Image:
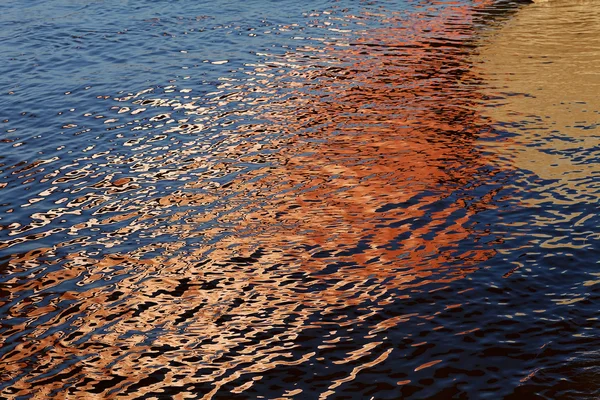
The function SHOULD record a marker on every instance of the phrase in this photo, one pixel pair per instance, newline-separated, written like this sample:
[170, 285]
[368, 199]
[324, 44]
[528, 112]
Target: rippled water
[299, 200]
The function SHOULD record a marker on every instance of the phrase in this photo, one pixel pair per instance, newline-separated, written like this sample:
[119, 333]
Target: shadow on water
[334, 218]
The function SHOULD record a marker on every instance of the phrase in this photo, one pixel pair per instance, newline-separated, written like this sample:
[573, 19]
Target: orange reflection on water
[390, 148]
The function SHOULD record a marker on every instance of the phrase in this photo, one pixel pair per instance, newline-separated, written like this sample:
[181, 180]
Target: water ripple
[358, 203]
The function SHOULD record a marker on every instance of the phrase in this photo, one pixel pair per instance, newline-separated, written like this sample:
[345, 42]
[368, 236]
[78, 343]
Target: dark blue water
[299, 200]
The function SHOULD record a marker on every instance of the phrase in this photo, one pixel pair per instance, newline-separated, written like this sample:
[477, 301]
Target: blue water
[287, 199]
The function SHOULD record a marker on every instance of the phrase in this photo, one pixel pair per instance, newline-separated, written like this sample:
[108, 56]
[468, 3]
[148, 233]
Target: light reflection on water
[330, 218]
[541, 67]
[542, 84]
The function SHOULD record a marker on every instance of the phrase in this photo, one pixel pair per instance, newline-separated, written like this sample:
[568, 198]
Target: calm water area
[310, 200]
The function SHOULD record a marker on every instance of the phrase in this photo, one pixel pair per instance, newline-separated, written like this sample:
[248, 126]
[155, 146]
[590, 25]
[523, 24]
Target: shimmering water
[299, 199]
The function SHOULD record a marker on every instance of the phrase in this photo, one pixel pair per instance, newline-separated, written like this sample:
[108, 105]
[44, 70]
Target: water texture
[341, 200]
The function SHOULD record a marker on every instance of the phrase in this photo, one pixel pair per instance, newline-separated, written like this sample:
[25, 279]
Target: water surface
[284, 200]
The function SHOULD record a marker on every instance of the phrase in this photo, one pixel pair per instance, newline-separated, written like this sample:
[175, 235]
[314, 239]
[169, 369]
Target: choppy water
[299, 199]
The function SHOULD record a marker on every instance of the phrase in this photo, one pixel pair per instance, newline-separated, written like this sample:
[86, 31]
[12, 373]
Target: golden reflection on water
[355, 194]
[542, 72]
